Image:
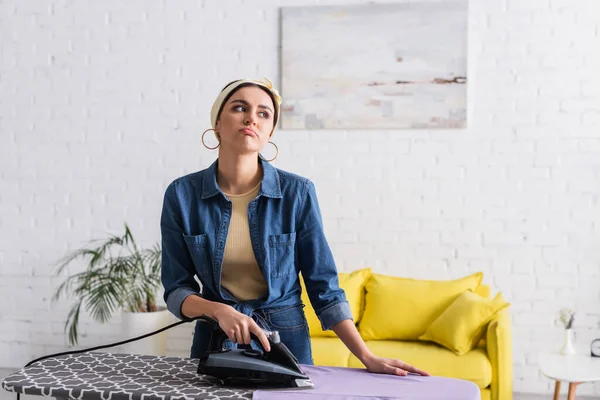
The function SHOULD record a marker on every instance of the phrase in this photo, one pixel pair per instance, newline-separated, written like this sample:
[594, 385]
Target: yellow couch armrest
[499, 349]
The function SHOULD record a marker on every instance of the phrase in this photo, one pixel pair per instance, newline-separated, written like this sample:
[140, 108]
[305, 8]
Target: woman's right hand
[238, 326]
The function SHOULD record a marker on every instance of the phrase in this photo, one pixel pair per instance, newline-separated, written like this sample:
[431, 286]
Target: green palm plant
[118, 275]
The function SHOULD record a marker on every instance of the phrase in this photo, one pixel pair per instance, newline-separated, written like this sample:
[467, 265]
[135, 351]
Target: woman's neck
[238, 174]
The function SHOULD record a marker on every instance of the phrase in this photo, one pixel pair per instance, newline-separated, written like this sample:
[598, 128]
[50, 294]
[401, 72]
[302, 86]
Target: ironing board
[107, 376]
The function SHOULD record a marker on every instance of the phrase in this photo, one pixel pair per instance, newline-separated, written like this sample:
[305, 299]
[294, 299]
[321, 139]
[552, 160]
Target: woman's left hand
[380, 365]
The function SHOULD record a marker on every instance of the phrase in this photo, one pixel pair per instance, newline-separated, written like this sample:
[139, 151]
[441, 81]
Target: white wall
[102, 104]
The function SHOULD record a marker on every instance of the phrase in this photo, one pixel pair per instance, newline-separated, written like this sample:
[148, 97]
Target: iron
[249, 367]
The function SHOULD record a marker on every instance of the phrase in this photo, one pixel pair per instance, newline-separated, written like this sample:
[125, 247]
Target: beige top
[240, 272]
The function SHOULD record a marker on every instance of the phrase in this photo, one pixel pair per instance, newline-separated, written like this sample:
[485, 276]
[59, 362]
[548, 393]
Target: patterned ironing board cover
[106, 376]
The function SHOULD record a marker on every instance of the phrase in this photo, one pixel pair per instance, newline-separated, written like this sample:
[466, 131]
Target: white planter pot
[138, 324]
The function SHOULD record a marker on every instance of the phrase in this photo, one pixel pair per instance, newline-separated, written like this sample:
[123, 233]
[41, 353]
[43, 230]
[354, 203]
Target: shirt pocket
[286, 318]
[282, 254]
[198, 248]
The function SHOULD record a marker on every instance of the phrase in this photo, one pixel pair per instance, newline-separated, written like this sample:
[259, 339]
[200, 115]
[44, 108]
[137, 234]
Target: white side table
[575, 369]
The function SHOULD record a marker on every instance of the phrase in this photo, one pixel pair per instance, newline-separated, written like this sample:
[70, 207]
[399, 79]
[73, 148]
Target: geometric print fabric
[106, 376]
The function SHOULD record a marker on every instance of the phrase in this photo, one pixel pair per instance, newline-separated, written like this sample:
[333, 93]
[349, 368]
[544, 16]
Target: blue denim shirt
[286, 233]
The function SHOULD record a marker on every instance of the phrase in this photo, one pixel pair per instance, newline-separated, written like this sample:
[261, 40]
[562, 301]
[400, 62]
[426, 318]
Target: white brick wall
[102, 104]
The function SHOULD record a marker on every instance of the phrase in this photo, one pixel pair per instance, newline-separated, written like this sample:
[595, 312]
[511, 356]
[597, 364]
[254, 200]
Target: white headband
[225, 92]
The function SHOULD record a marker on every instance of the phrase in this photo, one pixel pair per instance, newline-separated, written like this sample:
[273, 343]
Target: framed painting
[375, 66]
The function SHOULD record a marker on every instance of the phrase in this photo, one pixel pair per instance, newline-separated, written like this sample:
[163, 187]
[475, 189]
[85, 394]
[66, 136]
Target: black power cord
[206, 319]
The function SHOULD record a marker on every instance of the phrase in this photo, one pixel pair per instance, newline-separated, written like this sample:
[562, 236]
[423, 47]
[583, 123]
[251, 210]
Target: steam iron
[278, 368]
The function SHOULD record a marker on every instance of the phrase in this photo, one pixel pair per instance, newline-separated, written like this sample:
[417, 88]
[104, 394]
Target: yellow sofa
[392, 315]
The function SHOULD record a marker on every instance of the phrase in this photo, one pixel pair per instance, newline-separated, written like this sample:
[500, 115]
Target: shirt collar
[270, 185]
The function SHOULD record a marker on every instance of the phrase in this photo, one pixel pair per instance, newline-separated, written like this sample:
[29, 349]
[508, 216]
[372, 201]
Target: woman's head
[245, 114]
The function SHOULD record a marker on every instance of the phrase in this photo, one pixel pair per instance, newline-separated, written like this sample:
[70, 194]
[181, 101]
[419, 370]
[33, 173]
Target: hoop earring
[276, 153]
[204, 133]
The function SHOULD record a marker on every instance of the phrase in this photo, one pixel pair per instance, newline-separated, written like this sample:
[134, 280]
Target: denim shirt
[287, 238]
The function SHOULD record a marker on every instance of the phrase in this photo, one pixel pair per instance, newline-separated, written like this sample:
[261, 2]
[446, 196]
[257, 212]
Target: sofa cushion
[353, 284]
[473, 366]
[402, 308]
[483, 290]
[463, 323]
[330, 352]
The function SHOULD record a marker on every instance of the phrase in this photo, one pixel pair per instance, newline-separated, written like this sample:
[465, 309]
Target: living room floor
[4, 395]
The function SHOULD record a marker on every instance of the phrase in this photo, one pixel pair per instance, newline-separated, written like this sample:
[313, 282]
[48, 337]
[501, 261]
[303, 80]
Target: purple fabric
[336, 383]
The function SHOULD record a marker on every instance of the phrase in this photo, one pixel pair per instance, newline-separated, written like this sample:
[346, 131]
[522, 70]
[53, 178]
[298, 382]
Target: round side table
[574, 369]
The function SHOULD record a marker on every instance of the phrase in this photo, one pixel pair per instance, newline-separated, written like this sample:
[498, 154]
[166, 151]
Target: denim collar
[270, 185]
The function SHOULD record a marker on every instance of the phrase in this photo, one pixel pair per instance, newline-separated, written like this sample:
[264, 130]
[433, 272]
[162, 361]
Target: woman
[246, 230]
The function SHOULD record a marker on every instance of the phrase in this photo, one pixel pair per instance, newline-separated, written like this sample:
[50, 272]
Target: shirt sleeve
[177, 271]
[317, 264]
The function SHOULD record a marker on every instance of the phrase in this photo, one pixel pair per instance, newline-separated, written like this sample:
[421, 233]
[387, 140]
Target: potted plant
[118, 276]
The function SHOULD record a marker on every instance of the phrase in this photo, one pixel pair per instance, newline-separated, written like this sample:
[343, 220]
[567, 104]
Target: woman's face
[246, 121]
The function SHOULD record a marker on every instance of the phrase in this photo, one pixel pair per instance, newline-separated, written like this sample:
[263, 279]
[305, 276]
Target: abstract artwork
[384, 66]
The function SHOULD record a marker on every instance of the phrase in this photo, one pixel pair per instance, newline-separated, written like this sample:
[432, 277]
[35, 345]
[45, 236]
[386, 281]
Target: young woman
[246, 230]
